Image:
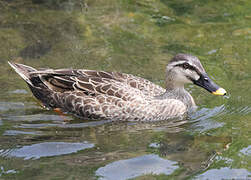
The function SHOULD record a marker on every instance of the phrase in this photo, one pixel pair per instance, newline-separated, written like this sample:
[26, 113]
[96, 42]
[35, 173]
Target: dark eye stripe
[192, 68]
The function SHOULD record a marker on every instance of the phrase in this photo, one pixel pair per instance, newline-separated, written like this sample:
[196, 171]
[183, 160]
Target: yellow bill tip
[220, 92]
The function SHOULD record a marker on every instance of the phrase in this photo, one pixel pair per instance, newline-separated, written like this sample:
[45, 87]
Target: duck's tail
[23, 71]
[37, 87]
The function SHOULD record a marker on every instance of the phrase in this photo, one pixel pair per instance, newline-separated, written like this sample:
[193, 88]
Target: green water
[137, 37]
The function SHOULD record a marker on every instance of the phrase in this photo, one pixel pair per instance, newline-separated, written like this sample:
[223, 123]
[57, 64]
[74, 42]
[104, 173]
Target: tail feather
[37, 87]
[23, 71]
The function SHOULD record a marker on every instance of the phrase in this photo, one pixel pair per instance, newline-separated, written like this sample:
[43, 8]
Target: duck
[96, 95]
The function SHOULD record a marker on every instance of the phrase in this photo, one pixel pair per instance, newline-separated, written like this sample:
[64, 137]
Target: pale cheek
[182, 78]
[196, 76]
[185, 80]
[193, 75]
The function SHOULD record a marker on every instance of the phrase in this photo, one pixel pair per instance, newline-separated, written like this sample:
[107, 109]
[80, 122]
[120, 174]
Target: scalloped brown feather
[99, 94]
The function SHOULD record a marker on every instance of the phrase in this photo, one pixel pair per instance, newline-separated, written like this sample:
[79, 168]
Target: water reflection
[138, 166]
[203, 119]
[165, 138]
[225, 159]
[225, 173]
[45, 149]
[154, 145]
[18, 91]
[3, 171]
[107, 126]
[17, 132]
[246, 151]
[241, 110]
[139, 38]
[206, 113]
[62, 124]
[38, 117]
[6, 106]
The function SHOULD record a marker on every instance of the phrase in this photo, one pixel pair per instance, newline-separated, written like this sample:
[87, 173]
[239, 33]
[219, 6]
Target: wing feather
[97, 82]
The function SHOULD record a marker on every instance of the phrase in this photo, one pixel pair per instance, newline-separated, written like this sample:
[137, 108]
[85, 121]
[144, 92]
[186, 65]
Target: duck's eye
[185, 65]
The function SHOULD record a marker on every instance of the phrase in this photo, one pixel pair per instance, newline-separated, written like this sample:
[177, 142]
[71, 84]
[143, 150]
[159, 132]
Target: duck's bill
[220, 92]
[205, 82]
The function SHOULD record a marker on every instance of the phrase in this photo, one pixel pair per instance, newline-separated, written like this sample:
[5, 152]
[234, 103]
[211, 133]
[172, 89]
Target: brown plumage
[104, 95]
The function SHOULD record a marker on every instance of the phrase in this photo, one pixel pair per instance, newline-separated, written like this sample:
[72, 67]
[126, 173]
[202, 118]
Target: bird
[102, 95]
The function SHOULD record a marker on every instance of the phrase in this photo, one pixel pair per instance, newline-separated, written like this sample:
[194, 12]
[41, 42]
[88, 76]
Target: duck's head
[184, 68]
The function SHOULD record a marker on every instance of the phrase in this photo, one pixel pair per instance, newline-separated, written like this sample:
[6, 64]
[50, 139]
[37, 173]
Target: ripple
[65, 125]
[16, 132]
[38, 117]
[6, 106]
[206, 113]
[203, 121]
[241, 110]
[138, 166]
[224, 173]
[45, 149]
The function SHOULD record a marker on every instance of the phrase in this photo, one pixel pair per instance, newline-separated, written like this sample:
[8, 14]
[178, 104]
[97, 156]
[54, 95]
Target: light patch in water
[154, 145]
[227, 160]
[1, 123]
[6, 106]
[45, 149]
[15, 132]
[246, 151]
[19, 91]
[138, 166]
[3, 171]
[224, 173]
[212, 51]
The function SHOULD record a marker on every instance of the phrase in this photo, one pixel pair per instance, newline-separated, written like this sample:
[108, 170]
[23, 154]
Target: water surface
[136, 37]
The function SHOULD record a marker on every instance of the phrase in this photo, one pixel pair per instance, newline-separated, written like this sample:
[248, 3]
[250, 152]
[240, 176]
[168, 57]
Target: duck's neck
[177, 91]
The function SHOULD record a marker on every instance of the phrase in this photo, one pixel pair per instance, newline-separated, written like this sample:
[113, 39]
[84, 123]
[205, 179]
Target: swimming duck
[94, 94]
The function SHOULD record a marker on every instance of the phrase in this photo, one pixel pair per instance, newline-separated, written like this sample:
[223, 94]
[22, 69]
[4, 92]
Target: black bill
[205, 82]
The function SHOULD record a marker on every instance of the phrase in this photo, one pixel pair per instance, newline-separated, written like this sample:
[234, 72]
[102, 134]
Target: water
[137, 37]
[130, 168]
[45, 149]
